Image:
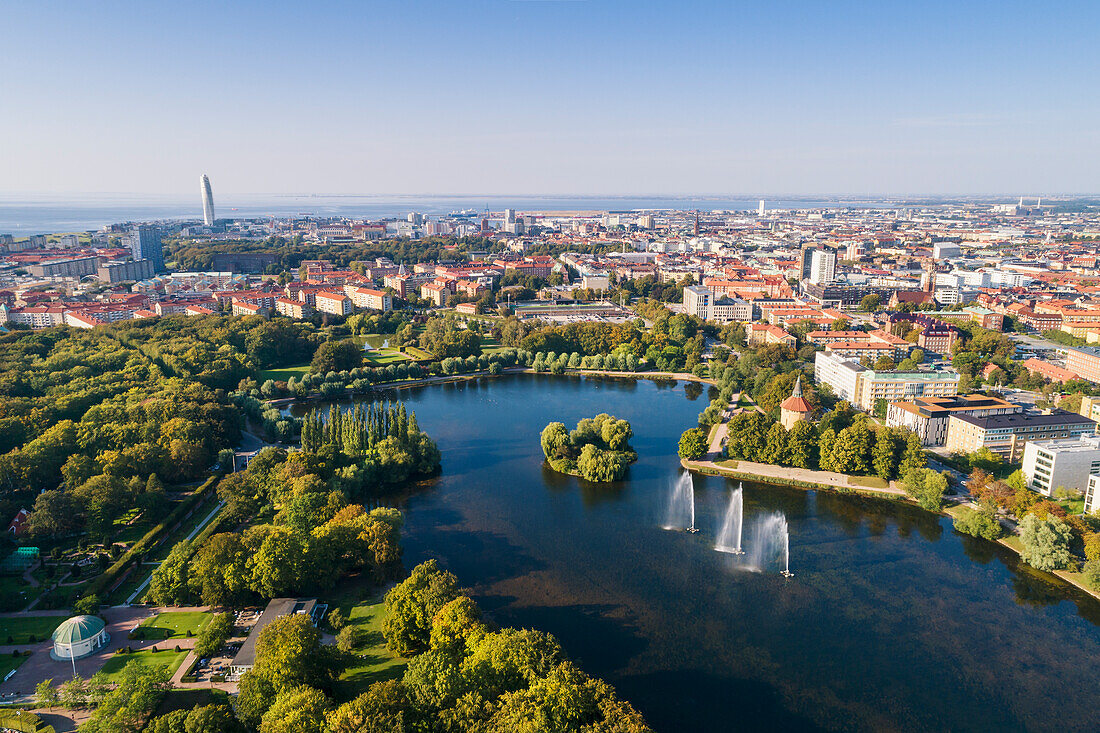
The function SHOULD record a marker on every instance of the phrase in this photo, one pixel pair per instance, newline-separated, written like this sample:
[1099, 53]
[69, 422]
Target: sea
[51, 214]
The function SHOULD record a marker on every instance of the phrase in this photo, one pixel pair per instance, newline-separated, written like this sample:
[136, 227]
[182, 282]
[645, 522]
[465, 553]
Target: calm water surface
[891, 622]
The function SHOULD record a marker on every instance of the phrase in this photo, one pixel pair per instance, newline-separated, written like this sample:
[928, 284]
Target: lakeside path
[787, 476]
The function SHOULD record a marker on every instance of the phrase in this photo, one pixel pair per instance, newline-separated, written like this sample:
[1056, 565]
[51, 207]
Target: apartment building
[1084, 361]
[292, 308]
[928, 416]
[1062, 463]
[336, 304]
[377, 300]
[1007, 435]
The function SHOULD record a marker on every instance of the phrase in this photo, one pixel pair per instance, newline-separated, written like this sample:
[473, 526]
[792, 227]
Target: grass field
[282, 375]
[382, 357]
[175, 624]
[146, 660]
[730, 464]
[418, 353]
[8, 663]
[20, 628]
[871, 482]
[374, 663]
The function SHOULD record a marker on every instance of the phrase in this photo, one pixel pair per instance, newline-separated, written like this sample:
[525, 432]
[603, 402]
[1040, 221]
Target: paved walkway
[764, 471]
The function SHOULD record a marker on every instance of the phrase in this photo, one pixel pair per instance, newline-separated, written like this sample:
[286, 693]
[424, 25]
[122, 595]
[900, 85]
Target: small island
[597, 450]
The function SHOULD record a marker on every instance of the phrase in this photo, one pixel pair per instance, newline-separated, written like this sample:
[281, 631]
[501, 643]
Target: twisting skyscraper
[207, 202]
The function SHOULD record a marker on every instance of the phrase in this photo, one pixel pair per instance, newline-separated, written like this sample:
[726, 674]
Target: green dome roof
[78, 629]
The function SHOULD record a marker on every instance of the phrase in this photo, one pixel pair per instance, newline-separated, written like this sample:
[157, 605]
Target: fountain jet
[729, 536]
[681, 505]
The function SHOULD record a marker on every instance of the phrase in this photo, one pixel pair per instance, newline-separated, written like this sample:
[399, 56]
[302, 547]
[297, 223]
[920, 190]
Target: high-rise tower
[207, 201]
[145, 244]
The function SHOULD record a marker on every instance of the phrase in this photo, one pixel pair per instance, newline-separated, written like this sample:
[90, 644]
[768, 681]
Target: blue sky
[537, 96]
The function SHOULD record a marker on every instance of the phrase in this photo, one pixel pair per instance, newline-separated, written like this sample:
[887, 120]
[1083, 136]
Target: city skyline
[546, 98]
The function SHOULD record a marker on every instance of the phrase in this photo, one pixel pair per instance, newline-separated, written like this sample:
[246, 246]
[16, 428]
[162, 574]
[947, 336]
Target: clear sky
[550, 96]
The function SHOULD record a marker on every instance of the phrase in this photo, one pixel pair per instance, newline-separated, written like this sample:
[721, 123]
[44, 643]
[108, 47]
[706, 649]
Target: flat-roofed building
[245, 658]
[1092, 494]
[1007, 435]
[894, 386]
[1062, 463]
[839, 373]
[927, 416]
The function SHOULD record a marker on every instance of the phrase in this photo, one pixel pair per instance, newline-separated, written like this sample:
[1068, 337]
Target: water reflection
[889, 623]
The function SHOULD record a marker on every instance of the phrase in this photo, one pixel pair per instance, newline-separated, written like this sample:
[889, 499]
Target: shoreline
[707, 467]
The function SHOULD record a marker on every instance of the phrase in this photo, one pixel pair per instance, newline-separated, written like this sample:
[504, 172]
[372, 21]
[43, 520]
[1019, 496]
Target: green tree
[412, 604]
[870, 303]
[336, 356]
[128, 706]
[693, 444]
[298, 710]
[212, 637]
[980, 523]
[912, 457]
[45, 694]
[884, 454]
[168, 585]
[926, 486]
[802, 445]
[554, 437]
[1046, 542]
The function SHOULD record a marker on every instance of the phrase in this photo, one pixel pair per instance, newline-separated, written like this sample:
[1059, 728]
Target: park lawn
[1014, 542]
[730, 464]
[419, 354]
[374, 662]
[383, 357]
[871, 482]
[146, 660]
[1073, 506]
[490, 345]
[284, 374]
[8, 663]
[21, 627]
[176, 624]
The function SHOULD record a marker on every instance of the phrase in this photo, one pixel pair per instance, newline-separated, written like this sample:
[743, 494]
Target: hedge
[111, 574]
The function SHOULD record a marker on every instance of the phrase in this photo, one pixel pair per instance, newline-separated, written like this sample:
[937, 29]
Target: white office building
[1061, 463]
[823, 266]
[840, 374]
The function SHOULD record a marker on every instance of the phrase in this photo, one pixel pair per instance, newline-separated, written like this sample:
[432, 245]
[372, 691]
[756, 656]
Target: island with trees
[597, 450]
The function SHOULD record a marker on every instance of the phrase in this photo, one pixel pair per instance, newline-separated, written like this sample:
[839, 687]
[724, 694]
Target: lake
[892, 621]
